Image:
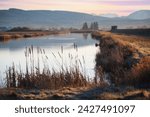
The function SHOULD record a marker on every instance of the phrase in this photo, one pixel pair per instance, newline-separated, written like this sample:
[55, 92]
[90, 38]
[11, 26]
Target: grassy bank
[5, 36]
[126, 59]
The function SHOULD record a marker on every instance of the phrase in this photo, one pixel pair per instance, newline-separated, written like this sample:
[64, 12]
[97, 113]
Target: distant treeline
[142, 32]
[22, 29]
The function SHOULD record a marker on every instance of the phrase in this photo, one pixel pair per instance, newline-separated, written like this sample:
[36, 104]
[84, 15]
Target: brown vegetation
[125, 58]
[5, 36]
[36, 77]
[127, 95]
[68, 93]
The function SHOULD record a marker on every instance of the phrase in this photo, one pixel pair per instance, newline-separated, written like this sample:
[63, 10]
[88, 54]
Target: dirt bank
[126, 59]
[79, 93]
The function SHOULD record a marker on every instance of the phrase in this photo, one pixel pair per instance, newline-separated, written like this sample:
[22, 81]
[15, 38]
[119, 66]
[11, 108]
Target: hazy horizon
[98, 7]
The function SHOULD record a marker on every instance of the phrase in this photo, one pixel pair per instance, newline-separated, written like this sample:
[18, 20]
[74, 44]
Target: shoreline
[5, 36]
[128, 58]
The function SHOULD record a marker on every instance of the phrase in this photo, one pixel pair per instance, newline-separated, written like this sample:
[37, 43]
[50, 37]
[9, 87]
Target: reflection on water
[85, 35]
[78, 45]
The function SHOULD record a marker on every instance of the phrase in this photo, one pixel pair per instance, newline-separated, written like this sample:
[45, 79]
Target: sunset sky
[120, 7]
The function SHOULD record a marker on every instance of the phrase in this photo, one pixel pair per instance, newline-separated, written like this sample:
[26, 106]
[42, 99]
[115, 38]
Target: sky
[119, 7]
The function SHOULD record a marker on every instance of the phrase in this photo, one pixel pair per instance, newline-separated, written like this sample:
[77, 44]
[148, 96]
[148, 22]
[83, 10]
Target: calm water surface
[71, 47]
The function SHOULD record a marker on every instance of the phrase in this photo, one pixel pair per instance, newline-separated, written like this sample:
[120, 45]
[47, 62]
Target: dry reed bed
[125, 58]
[5, 36]
[37, 76]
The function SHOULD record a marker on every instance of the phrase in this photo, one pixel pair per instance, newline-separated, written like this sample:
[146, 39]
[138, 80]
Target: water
[80, 47]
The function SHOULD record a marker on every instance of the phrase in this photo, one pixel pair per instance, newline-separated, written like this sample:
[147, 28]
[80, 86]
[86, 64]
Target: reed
[40, 76]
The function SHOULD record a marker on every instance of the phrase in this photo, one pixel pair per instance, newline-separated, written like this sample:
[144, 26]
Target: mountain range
[47, 19]
[140, 15]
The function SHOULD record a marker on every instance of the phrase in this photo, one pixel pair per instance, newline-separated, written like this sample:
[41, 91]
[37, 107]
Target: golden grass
[140, 73]
[40, 94]
[142, 44]
[5, 36]
[36, 77]
[125, 58]
[109, 96]
[134, 94]
[74, 93]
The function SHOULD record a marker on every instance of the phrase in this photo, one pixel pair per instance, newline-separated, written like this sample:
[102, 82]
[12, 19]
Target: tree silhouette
[85, 26]
[94, 26]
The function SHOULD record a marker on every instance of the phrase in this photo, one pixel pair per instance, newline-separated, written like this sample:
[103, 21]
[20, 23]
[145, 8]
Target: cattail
[43, 51]
[32, 49]
[62, 49]
[46, 57]
[48, 78]
[37, 50]
[83, 59]
[59, 55]
[53, 54]
[29, 50]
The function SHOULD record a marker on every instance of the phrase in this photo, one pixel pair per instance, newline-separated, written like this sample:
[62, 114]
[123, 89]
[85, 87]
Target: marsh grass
[39, 75]
[6, 36]
[125, 58]
[139, 76]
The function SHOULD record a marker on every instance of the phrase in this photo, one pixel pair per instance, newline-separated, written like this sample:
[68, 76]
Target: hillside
[45, 19]
[140, 15]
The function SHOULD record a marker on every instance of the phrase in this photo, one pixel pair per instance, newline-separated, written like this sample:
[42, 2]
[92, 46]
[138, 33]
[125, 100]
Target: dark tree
[94, 26]
[85, 26]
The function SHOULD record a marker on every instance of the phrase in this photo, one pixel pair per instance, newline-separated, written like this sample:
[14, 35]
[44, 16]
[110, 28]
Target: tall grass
[39, 75]
[125, 58]
[139, 76]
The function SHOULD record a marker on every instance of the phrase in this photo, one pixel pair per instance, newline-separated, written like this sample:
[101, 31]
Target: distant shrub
[18, 29]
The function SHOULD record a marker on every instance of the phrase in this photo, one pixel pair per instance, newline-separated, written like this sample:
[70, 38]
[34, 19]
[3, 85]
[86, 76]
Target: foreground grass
[39, 75]
[78, 93]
